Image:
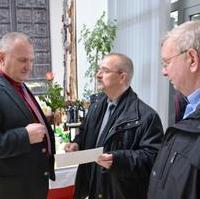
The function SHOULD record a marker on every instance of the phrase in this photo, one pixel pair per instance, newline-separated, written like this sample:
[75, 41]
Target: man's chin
[24, 78]
[174, 86]
[100, 87]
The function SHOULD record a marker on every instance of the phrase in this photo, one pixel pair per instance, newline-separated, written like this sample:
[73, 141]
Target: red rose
[49, 76]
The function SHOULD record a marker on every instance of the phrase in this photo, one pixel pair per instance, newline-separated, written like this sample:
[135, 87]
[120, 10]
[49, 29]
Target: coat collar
[188, 125]
[127, 104]
[127, 111]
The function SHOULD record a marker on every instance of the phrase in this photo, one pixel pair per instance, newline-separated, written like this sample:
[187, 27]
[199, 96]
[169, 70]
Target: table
[63, 187]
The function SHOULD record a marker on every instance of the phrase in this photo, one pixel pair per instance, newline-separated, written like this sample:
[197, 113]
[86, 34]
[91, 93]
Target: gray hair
[186, 35]
[7, 40]
[124, 64]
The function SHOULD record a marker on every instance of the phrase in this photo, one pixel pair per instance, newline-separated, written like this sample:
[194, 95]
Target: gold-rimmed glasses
[165, 62]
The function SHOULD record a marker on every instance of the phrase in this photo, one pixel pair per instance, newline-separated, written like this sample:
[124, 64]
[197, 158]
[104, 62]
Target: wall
[141, 24]
[136, 19]
[88, 11]
[56, 11]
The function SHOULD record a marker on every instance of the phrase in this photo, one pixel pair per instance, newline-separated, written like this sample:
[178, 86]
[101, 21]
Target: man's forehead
[169, 43]
[109, 60]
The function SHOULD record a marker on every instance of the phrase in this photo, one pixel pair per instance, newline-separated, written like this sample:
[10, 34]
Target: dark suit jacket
[24, 168]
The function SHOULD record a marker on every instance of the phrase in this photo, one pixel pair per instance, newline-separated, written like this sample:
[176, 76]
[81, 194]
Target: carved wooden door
[32, 18]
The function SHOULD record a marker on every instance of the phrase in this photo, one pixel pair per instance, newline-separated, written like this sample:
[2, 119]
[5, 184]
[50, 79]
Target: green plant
[53, 98]
[97, 43]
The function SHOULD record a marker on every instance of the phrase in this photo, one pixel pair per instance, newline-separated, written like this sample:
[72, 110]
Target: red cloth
[61, 193]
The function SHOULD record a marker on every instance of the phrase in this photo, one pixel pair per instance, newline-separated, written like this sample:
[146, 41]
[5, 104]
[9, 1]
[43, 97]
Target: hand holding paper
[71, 146]
[105, 160]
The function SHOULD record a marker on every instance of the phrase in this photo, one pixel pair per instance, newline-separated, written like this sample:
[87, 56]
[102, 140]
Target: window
[174, 18]
[172, 1]
[32, 18]
[195, 17]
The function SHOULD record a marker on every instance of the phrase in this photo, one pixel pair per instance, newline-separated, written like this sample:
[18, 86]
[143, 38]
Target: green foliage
[53, 98]
[97, 42]
[63, 135]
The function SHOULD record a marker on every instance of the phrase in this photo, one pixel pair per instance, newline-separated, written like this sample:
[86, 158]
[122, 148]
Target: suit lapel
[12, 93]
[96, 117]
[109, 124]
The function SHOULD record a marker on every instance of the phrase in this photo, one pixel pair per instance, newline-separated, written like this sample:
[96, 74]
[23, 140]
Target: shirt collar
[13, 82]
[194, 98]
[115, 102]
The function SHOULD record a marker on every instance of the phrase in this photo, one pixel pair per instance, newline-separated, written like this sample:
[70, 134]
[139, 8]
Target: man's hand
[105, 160]
[69, 147]
[36, 132]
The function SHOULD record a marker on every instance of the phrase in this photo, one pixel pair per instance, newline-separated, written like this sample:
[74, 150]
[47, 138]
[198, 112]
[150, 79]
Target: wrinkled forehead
[169, 46]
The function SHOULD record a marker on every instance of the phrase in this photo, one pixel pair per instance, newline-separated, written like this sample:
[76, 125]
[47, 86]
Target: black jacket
[22, 166]
[133, 137]
[176, 173]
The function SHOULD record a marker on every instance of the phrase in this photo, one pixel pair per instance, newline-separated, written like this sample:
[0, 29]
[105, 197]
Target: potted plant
[97, 41]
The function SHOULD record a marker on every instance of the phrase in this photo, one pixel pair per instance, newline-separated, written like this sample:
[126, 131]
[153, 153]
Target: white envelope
[77, 157]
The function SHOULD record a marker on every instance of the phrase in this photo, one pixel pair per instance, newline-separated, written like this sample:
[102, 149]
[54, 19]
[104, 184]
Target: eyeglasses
[105, 70]
[167, 61]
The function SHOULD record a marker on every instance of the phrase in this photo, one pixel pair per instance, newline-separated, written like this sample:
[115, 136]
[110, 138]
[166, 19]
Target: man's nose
[164, 71]
[29, 65]
[98, 74]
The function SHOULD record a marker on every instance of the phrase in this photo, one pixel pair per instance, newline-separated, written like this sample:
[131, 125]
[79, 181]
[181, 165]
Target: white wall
[141, 25]
[87, 12]
[56, 11]
[134, 40]
[84, 15]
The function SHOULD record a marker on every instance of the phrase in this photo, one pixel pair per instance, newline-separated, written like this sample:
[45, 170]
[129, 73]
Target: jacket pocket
[123, 134]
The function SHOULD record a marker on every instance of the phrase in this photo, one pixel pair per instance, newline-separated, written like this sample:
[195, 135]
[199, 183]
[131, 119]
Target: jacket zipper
[166, 160]
[171, 161]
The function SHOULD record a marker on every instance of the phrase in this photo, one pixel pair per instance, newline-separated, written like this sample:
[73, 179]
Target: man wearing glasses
[129, 131]
[176, 173]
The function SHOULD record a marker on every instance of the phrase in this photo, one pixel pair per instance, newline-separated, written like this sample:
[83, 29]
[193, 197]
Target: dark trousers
[23, 188]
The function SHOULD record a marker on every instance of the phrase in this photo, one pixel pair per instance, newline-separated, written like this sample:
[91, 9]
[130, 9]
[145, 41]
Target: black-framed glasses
[167, 61]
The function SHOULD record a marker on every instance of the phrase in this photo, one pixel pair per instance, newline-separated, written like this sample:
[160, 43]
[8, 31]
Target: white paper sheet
[77, 157]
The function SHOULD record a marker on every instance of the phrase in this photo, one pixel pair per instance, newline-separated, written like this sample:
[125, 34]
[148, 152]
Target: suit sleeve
[14, 142]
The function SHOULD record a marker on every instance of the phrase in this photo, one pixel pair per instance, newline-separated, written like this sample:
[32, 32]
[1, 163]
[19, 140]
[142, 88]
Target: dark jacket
[133, 137]
[176, 173]
[22, 166]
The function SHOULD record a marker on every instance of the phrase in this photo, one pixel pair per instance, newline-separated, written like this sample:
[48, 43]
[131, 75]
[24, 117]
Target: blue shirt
[193, 102]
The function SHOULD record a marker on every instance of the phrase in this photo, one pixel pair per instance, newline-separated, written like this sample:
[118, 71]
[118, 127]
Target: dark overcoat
[133, 135]
[176, 173]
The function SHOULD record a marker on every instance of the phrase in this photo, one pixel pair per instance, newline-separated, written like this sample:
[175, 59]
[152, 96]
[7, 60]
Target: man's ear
[2, 57]
[124, 77]
[193, 59]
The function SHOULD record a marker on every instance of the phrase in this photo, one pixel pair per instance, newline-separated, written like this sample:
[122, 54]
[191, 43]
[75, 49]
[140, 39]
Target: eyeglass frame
[164, 64]
[105, 70]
